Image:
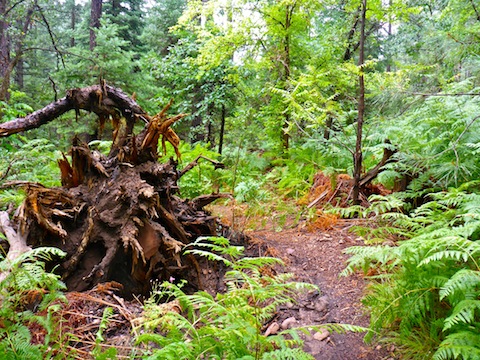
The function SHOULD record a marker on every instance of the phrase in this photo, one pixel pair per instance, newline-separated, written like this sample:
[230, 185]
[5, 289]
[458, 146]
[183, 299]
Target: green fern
[460, 345]
[427, 286]
[27, 274]
[227, 325]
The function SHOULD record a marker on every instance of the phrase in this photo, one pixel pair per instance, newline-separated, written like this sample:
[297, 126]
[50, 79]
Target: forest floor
[317, 257]
[312, 256]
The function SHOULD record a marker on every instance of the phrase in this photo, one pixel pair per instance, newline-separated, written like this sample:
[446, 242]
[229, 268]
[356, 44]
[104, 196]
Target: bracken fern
[427, 286]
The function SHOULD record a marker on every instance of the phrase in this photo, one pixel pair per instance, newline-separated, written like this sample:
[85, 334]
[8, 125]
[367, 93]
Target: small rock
[314, 347]
[321, 335]
[341, 241]
[304, 314]
[288, 323]
[289, 305]
[272, 329]
[290, 251]
[378, 347]
[321, 304]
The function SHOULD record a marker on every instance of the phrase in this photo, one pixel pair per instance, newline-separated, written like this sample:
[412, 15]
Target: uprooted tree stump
[118, 217]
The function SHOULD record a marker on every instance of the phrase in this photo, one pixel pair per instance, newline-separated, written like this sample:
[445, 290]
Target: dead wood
[103, 100]
[117, 216]
[217, 165]
[16, 240]
[373, 173]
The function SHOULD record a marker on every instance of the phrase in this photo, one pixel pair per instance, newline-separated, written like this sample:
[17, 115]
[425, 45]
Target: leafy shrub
[27, 160]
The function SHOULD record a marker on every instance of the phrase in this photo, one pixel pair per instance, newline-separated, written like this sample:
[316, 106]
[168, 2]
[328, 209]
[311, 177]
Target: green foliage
[15, 107]
[227, 325]
[26, 287]
[27, 160]
[427, 287]
[111, 352]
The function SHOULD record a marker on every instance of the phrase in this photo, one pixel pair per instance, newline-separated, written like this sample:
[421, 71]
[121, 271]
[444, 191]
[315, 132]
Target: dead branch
[17, 241]
[89, 98]
[372, 174]
[218, 165]
[203, 200]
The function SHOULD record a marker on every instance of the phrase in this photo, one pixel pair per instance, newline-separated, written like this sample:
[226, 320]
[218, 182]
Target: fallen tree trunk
[118, 217]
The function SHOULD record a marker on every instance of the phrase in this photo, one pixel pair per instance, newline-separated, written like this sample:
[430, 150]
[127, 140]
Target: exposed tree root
[118, 217]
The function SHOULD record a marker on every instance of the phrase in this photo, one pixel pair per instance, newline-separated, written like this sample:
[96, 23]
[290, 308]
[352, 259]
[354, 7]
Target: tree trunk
[358, 155]
[10, 66]
[73, 21]
[95, 15]
[222, 129]
[19, 72]
[286, 73]
[4, 46]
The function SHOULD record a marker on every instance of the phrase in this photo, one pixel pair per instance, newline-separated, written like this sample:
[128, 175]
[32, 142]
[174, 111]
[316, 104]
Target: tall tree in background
[129, 16]
[95, 15]
[9, 61]
[160, 18]
[4, 43]
[358, 155]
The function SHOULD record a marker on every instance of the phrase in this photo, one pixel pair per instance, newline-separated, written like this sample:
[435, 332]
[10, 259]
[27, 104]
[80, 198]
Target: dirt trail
[317, 257]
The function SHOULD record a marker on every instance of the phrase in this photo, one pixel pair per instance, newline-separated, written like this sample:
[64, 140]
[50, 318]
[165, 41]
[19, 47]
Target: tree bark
[222, 129]
[373, 173]
[73, 20]
[104, 101]
[10, 66]
[95, 15]
[286, 72]
[358, 155]
[4, 45]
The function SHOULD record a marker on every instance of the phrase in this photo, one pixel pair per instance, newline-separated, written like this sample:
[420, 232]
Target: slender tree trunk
[95, 15]
[328, 128]
[10, 66]
[4, 45]
[222, 129]
[73, 21]
[358, 156]
[389, 56]
[286, 72]
[19, 72]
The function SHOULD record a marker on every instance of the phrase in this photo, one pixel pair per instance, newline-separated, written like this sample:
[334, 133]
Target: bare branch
[90, 98]
[50, 34]
[218, 165]
[440, 94]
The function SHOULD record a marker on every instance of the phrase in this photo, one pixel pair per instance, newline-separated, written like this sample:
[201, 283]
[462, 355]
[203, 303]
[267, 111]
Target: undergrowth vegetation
[425, 281]
[227, 325]
[30, 296]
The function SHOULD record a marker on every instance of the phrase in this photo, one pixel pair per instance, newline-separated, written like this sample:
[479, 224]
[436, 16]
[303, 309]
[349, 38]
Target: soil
[317, 257]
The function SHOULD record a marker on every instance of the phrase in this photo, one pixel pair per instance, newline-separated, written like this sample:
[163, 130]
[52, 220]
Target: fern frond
[464, 312]
[286, 354]
[460, 345]
[462, 281]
